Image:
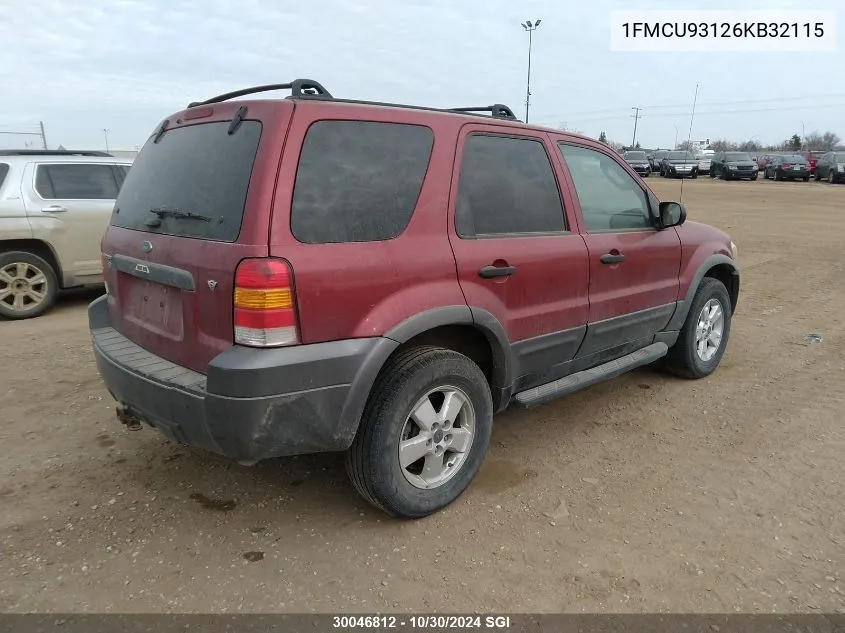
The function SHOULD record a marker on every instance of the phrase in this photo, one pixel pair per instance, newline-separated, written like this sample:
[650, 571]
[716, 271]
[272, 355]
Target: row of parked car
[828, 166]
[739, 165]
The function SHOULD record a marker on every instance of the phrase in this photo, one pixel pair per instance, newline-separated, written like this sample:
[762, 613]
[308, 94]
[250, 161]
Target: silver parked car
[55, 207]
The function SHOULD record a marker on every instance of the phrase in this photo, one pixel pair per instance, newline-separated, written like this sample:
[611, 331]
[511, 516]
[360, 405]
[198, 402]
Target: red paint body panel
[698, 242]
[190, 328]
[359, 289]
[364, 289]
[548, 293]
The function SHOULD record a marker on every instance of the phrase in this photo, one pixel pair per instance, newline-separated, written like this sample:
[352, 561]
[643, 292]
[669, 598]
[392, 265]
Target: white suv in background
[55, 206]
[704, 157]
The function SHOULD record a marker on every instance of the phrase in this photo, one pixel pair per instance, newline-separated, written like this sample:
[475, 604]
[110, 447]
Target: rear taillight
[264, 305]
[784, 165]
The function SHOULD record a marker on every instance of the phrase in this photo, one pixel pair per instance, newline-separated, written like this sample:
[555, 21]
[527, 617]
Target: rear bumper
[792, 174]
[253, 403]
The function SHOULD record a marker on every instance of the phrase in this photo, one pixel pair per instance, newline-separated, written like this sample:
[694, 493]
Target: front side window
[506, 187]
[610, 199]
[76, 182]
[358, 181]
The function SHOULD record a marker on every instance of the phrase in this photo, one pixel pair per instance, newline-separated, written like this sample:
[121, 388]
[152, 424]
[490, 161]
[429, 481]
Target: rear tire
[28, 285]
[831, 177]
[806, 179]
[686, 358]
[410, 383]
[816, 175]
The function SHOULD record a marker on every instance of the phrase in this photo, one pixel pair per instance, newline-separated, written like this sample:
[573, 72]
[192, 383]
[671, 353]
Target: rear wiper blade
[172, 212]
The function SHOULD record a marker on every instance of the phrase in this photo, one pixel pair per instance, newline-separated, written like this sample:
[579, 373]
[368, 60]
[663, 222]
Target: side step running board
[568, 384]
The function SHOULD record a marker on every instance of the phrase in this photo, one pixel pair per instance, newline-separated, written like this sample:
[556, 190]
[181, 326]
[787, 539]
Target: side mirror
[672, 214]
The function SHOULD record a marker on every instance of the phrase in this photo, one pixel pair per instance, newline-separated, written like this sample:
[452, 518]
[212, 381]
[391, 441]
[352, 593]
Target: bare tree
[722, 145]
[817, 142]
[829, 141]
[814, 142]
[750, 146]
[686, 145]
[572, 130]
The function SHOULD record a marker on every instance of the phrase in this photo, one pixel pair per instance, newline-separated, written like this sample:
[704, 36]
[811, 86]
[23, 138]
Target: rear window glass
[4, 169]
[198, 169]
[358, 181]
[76, 182]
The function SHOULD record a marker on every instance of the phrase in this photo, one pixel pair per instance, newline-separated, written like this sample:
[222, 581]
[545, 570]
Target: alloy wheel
[710, 329]
[23, 286]
[437, 437]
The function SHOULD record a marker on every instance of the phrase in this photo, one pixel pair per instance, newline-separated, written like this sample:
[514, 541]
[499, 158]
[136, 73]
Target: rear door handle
[610, 258]
[490, 272]
[54, 208]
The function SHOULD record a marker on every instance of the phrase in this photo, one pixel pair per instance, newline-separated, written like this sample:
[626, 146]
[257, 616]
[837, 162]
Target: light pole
[530, 28]
[106, 135]
[676, 137]
[636, 116]
[802, 134]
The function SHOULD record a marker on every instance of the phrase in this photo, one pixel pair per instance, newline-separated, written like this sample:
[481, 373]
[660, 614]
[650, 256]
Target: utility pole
[106, 134]
[41, 134]
[636, 116]
[530, 28]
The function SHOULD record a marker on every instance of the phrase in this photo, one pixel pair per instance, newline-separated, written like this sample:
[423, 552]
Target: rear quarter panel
[14, 224]
[361, 289]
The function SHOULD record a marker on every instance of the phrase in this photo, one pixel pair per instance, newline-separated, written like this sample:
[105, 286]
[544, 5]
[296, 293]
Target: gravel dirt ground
[647, 493]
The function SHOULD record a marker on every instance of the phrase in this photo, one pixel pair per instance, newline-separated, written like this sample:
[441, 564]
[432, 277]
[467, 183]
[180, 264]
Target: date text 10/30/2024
[436, 622]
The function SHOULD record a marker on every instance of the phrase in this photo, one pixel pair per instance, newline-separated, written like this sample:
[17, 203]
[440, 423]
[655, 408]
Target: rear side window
[506, 187]
[358, 181]
[76, 182]
[198, 169]
[4, 169]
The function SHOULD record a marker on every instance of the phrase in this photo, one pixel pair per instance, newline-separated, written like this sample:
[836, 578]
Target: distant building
[124, 153]
[705, 144]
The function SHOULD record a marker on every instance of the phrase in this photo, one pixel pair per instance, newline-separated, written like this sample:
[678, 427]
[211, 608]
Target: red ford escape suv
[316, 274]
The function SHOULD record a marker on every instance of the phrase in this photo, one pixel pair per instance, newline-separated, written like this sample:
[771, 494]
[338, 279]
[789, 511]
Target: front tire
[705, 333]
[831, 178]
[424, 432]
[28, 285]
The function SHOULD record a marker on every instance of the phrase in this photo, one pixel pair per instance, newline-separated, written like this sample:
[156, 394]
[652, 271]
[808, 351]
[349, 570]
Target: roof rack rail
[52, 152]
[298, 88]
[497, 110]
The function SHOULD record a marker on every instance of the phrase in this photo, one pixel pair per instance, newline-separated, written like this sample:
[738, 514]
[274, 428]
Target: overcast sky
[84, 65]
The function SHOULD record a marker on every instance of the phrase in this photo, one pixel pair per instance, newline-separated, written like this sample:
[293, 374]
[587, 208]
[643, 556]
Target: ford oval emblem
[146, 246]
